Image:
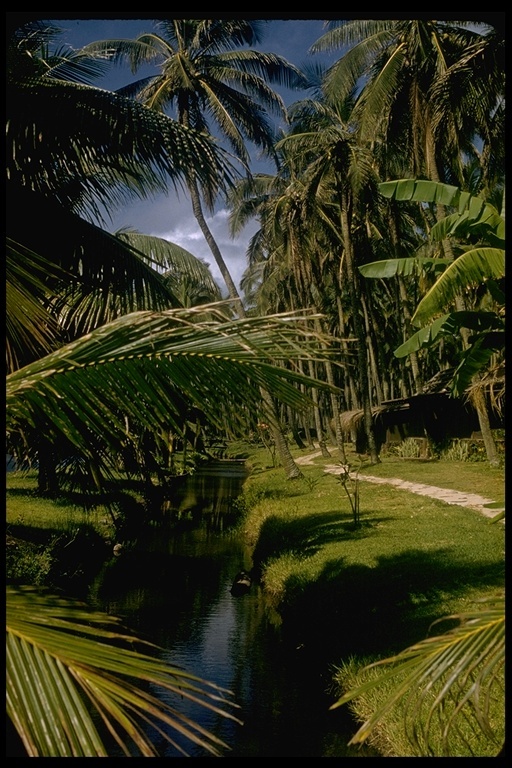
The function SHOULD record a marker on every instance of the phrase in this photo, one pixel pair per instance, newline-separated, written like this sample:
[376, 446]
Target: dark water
[175, 590]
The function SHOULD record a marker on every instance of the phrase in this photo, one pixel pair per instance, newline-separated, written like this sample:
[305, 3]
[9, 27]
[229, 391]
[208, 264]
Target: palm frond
[449, 676]
[169, 257]
[30, 328]
[62, 286]
[117, 137]
[70, 668]
[146, 365]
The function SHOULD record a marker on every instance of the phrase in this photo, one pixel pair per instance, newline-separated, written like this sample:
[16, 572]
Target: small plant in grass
[267, 440]
[311, 482]
[347, 479]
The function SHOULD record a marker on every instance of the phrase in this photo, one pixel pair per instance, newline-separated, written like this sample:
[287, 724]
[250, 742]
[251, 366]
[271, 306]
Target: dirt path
[470, 500]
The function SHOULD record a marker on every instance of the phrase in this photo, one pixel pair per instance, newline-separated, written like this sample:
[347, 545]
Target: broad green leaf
[420, 190]
[467, 271]
[423, 190]
[486, 223]
[451, 323]
[424, 337]
[474, 360]
[407, 266]
[472, 211]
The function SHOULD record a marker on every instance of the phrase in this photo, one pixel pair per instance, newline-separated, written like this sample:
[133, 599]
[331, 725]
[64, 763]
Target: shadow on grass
[84, 499]
[364, 610]
[361, 610]
[306, 535]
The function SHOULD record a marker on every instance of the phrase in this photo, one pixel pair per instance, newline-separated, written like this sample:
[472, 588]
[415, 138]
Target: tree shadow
[356, 609]
[306, 535]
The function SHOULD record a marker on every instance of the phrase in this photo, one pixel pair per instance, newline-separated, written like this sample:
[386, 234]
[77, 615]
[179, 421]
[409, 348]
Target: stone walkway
[470, 500]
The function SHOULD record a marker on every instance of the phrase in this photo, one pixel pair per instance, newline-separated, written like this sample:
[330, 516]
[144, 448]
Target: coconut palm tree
[406, 70]
[204, 77]
[93, 151]
[426, 89]
[288, 257]
[340, 173]
[212, 86]
[72, 149]
[431, 95]
[147, 365]
[188, 277]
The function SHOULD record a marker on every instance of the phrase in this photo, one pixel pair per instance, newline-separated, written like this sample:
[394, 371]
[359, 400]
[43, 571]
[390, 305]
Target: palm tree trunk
[286, 459]
[283, 450]
[491, 450]
[47, 482]
[318, 418]
[214, 248]
[413, 357]
[351, 400]
[306, 416]
[355, 300]
[404, 306]
[294, 426]
[329, 374]
[372, 356]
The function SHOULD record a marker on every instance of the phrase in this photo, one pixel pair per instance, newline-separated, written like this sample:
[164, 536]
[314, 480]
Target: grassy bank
[371, 590]
[360, 592]
[53, 541]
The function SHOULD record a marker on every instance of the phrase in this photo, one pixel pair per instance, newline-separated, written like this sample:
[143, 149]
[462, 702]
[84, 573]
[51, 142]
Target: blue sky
[171, 217]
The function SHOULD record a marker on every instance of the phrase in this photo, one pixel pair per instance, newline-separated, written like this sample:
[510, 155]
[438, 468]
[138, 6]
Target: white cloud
[189, 236]
[172, 219]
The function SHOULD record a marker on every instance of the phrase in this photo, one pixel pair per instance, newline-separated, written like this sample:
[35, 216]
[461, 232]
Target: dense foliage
[392, 170]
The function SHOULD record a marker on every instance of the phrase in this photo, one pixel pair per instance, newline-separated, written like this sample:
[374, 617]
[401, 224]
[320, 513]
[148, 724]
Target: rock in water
[242, 584]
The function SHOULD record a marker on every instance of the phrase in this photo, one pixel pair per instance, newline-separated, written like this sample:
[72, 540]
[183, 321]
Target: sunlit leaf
[467, 271]
[66, 661]
[407, 266]
[449, 676]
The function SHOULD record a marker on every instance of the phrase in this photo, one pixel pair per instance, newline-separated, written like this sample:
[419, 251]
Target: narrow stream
[175, 591]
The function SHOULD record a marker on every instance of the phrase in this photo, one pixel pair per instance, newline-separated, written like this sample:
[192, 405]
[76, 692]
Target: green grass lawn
[466, 476]
[372, 590]
[34, 517]
[47, 538]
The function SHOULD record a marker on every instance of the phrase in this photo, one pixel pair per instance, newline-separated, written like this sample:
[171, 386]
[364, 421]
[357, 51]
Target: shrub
[409, 448]
[27, 563]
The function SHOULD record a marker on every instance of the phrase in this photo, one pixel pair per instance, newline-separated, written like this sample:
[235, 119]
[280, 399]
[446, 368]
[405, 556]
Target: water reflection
[175, 590]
